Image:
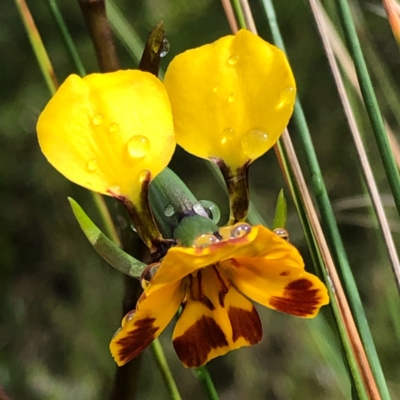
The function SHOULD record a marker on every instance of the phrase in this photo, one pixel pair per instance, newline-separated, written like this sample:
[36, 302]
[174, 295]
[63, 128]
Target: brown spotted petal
[278, 285]
[152, 315]
[215, 319]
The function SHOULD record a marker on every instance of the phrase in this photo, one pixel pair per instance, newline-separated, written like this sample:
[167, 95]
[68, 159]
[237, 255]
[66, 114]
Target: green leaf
[280, 211]
[115, 256]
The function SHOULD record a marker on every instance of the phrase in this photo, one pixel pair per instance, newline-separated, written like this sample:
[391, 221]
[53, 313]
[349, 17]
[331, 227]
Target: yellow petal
[230, 99]
[141, 327]
[105, 131]
[258, 242]
[277, 284]
[215, 320]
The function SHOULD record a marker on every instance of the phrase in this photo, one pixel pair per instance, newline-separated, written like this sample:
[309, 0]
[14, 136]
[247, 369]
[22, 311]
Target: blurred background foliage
[60, 303]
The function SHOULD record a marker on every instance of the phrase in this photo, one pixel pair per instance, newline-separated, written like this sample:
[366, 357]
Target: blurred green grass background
[60, 303]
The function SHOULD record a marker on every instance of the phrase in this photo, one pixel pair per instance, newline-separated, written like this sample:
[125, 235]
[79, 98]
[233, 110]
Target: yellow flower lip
[231, 99]
[108, 132]
[212, 279]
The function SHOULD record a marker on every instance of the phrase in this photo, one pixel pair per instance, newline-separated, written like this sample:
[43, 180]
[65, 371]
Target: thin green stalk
[165, 371]
[69, 44]
[329, 223]
[205, 377]
[371, 103]
[239, 13]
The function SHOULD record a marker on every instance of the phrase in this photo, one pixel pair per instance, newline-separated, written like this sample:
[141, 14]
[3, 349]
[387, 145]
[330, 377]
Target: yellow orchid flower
[210, 280]
[231, 100]
[111, 133]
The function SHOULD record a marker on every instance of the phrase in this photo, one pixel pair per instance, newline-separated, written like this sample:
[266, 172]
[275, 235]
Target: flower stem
[204, 376]
[165, 371]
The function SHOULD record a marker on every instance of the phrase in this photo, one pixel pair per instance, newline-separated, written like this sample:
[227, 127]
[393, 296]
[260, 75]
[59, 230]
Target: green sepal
[115, 256]
[150, 61]
[192, 227]
[280, 211]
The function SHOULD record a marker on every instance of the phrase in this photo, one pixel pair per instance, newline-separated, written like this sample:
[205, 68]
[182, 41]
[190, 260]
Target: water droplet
[148, 274]
[113, 127]
[169, 210]
[233, 60]
[240, 230]
[144, 175]
[133, 227]
[138, 146]
[97, 119]
[287, 96]
[205, 240]
[217, 87]
[129, 316]
[164, 48]
[114, 190]
[212, 210]
[92, 164]
[116, 332]
[255, 142]
[231, 97]
[283, 233]
[227, 134]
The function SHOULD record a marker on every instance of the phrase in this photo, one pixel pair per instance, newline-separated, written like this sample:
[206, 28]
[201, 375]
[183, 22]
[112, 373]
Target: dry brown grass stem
[392, 13]
[346, 315]
[356, 135]
[347, 65]
[230, 15]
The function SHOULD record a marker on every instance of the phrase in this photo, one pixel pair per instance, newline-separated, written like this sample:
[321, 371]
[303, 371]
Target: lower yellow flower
[211, 280]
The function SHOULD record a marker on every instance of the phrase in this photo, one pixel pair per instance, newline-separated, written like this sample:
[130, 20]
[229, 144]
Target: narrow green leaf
[115, 256]
[280, 211]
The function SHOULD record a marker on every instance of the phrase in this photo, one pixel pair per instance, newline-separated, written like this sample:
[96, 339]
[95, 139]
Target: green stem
[165, 371]
[205, 377]
[239, 13]
[69, 44]
[330, 226]
[371, 103]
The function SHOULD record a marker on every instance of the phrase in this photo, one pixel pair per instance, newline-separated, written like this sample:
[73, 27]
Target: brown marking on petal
[284, 273]
[137, 339]
[245, 324]
[194, 346]
[224, 287]
[298, 299]
[234, 263]
[197, 291]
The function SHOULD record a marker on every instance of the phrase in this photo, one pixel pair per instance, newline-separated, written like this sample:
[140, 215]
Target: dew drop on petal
[216, 87]
[148, 274]
[138, 146]
[231, 97]
[255, 142]
[227, 134]
[240, 230]
[97, 119]
[286, 96]
[144, 175]
[114, 190]
[169, 210]
[283, 233]
[233, 60]
[113, 127]
[127, 317]
[205, 240]
[116, 332]
[92, 165]
[164, 48]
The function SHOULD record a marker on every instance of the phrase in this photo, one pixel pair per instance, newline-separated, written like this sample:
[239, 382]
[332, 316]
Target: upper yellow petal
[230, 99]
[104, 131]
